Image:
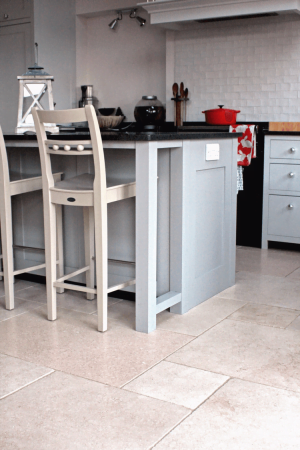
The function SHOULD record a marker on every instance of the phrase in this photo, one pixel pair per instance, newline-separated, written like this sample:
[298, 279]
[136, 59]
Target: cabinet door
[14, 10]
[15, 50]
[284, 216]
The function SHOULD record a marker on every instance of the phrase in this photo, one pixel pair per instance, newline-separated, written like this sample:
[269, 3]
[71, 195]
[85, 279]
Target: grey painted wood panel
[209, 230]
[186, 220]
[208, 222]
[282, 148]
[281, 223]
[284, 215]
[284, 177]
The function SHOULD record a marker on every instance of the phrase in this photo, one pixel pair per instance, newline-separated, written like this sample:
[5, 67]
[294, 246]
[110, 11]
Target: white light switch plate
[212, 152]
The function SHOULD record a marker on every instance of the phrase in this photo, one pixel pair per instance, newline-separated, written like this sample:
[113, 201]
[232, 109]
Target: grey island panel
[196, 213]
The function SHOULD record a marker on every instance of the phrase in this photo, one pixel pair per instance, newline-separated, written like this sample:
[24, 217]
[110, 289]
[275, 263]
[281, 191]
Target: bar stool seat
[15, 183]
[93, 193]
[86, 182]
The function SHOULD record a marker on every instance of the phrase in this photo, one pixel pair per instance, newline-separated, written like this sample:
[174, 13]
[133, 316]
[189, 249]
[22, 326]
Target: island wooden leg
[146, 235]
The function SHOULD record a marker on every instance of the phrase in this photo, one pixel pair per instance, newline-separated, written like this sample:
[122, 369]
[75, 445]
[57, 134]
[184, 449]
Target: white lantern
[33, 85]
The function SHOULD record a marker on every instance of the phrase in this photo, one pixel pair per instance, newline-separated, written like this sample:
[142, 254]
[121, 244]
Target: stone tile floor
[225, 376]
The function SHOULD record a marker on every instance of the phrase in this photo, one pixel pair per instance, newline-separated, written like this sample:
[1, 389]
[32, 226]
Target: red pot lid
[221, 108]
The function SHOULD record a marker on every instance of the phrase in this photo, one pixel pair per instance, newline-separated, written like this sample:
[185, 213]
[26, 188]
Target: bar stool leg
[7, 253]
[50, 253]
[101, 263]
[1, 262]
[60, 248]
[89, 248]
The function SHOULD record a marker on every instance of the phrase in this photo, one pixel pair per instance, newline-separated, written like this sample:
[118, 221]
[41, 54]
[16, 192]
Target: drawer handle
[293, 150]
[5, 16]
[71, 199]
[291, 174]
[290, 206]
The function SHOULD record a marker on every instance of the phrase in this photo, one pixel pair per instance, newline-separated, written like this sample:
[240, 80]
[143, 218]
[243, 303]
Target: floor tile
[278, 263]
[271, 316]
[15, 374]
[248, 351]
[18, 285]
[177, 384]
[294, 275]
[123, 312]
[65, 412]
[72, 344]
[69, 299]
[240, 415]
[35, 293]
[193, 323]
[265, 290]
[200, 318]
[295, 325]
[21, 306]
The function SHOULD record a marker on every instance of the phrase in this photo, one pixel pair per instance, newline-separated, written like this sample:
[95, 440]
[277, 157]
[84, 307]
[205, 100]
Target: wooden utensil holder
[179, 110]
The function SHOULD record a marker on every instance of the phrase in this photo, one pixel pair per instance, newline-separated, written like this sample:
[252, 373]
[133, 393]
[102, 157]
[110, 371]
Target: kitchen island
[179, 233]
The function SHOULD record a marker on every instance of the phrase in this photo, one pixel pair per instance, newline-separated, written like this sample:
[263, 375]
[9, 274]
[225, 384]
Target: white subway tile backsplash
[251, 64]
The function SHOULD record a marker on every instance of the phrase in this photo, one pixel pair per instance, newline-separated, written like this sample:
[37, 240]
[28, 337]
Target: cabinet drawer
[284, 216]
[282, 148]
[14, 10]
[285, 177]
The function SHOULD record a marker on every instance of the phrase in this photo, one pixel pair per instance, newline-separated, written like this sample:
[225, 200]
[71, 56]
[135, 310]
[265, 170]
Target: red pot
[220, 116]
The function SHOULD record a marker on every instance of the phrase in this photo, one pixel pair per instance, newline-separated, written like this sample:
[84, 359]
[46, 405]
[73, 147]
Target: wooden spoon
[175, 89]
[186, 94]
[175, 95]
[180, 121]
[181, 90]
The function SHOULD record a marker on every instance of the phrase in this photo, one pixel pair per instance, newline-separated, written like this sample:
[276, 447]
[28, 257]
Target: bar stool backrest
[4, 171]
[71, 147]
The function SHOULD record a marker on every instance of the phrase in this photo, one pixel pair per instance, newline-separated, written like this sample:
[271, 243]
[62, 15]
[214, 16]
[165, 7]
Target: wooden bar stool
[92, 192]
[10, 185]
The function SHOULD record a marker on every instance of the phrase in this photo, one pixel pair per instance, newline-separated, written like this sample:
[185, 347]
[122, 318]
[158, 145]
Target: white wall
[122, 64]
[55, 33]
[89, 8]
[250, 64]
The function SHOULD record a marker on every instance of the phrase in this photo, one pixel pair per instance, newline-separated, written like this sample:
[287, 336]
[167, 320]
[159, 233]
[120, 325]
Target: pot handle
[237, 111]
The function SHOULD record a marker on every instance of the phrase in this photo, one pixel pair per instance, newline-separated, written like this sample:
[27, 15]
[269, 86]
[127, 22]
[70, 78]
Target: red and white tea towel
[246, 144]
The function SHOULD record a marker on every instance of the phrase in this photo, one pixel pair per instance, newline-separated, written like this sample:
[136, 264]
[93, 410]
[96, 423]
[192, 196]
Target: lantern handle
[36, 53]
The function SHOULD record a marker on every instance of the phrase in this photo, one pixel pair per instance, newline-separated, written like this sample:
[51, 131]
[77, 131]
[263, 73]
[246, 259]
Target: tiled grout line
[20, 314]
[236, 377]
[28, 384]
[170, 431]
[291, 272]
[259, 304]
[199, 406]
[262, 324]
[220, 387]
[293, 321]
[192, 339]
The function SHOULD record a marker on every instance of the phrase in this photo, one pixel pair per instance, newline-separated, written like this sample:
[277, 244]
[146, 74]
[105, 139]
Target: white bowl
[109, 121]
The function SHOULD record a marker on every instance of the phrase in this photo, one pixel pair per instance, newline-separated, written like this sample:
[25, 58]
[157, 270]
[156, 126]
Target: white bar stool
[19, 183]
[92, 192]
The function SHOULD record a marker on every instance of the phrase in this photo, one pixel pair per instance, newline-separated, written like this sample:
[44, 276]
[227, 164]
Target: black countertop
[282, 133]
[130, 136]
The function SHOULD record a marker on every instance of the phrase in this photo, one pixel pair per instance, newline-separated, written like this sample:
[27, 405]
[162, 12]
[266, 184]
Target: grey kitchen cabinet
[15, 56]
[179, 230]
[14, 10]
[281, 198]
